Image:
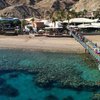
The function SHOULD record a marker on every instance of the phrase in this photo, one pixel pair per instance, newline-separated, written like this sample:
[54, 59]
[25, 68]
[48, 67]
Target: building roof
[93, 25]
[82, 20]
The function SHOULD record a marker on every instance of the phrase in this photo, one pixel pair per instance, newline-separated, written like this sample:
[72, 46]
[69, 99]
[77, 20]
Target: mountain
[55, 4]
[14, 2]
[18, 8]
[27, 8]
[3, 4]
[39, 8]
[89, 5]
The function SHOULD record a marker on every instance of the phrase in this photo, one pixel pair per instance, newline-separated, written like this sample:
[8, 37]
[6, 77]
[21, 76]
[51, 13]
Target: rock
[96, 96]
[2, 81]
[8, 90]
[13, 75]
[51, 97]
[29, 8]
[69, 98]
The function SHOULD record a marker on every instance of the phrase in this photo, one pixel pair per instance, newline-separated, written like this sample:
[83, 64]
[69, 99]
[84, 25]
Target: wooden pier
[89, 46]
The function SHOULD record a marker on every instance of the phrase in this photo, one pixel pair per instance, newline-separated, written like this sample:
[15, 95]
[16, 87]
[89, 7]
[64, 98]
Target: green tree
[59, 15]
[82, 13]
[23, 23]
[97, 13]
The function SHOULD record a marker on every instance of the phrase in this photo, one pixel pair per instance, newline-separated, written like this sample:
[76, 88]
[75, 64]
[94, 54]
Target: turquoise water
[28, 90]
[31, 75]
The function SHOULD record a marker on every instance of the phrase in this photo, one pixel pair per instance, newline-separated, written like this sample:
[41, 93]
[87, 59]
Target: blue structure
[10, 25]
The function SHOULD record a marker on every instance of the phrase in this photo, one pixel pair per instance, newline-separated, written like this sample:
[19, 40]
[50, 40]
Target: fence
[88, 47]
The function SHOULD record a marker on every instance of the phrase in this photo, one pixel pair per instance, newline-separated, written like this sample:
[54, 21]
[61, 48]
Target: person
[17, 29]
[98, 51]
[95, 45]
[34, 26]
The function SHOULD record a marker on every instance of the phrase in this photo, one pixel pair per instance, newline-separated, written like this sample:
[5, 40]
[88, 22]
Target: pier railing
[88, 45]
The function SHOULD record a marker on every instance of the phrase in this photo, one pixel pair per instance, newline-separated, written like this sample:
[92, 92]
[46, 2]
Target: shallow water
[21, 70]
[28, 90]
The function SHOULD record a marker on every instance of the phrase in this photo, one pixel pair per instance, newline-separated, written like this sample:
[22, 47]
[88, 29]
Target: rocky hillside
[89, 5]
[27, 8]
[18, 8]
[55, 4]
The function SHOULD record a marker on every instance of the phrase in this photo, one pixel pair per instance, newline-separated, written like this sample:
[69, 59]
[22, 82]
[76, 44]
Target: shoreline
[50, 44]
[46, 44]
[42, 50]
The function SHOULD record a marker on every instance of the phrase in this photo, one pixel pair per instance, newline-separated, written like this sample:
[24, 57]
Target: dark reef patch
[13, 75]
[68, 98]
[51, 97]
[2, 81]
[8, 90]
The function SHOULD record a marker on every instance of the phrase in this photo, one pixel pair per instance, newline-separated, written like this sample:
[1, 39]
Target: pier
[89, 46]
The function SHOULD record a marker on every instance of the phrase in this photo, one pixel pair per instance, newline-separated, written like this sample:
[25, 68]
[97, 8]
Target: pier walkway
[89, 46]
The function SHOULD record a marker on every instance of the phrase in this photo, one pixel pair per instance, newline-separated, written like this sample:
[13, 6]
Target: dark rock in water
[14, 75]
[43, 81]
[2, 81]
[8, 90]
[51, 97]
[44, 84]
[69, 98]
[30, 99]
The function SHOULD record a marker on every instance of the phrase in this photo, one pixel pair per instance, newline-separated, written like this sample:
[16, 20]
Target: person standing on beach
[34, 26]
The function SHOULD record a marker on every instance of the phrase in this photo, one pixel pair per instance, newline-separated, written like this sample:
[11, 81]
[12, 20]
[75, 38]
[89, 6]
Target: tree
[97, 13]
[82, 13]
[59, 15]
[23, 23]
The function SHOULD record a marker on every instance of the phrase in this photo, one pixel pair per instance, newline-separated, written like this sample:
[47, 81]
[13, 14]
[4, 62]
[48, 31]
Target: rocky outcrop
[28, 8]
[20, 11]
[89, 5]
[14, 2]
[55, 4]
[3, 4]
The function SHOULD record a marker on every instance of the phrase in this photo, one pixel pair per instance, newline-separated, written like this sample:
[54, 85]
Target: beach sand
[94, 39]
[54, 44]
[60, 44]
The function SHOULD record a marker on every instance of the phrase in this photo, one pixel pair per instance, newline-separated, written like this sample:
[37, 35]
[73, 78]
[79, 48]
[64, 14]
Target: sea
[40, 75]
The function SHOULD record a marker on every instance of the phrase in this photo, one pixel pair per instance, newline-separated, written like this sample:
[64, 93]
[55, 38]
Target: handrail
[88, 48]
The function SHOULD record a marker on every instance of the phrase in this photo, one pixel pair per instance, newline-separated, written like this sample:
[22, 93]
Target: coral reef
[69, 98]
[8, 90]
[51, 97]
[50, 69]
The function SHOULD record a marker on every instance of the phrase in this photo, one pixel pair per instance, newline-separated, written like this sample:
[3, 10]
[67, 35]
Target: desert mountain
[28, 8]
[89, 5]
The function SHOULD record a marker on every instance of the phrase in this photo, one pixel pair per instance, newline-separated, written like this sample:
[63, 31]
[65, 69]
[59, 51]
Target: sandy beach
[54, 44]
[94, 39]
[62, 44]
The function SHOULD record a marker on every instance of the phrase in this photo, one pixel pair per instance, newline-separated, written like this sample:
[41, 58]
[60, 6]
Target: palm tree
[23, 23]
[97, 13]
[59, 15]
